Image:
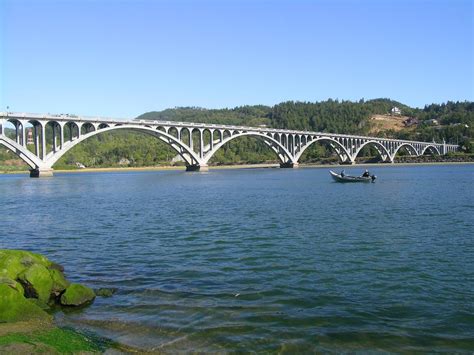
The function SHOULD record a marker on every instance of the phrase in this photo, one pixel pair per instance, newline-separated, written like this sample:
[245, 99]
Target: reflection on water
[267, 259]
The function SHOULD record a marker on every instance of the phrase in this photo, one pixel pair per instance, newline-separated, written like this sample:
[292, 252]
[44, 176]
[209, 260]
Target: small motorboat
[347, 178]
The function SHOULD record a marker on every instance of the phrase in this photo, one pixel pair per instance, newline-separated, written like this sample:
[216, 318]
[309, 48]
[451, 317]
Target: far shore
[239, 166]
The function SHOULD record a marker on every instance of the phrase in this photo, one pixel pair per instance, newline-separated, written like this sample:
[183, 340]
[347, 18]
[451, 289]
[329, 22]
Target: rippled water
[263, 260]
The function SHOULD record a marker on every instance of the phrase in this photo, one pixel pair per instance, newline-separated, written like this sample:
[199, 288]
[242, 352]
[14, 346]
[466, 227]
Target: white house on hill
[395, 111]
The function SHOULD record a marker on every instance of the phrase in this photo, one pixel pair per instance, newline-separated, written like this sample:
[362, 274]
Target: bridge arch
[410, 148]
[58, 131]
[39, 129]
[173, 131]
[186, 153]
[22, 152]
[283, 154]
[18, 126]
[87, 127]
[431, 148]
[343, 154]
[73, 130]
[381, 149]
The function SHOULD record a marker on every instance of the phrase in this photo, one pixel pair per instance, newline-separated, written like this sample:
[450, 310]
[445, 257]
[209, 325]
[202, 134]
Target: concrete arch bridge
[188, 139]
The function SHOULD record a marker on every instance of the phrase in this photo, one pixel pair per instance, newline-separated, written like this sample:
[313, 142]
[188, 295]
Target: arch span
[283, 154]
[343, 154]
[431, 148]
[22, 152]
[381, 149]
[410, 148]
[188, 155]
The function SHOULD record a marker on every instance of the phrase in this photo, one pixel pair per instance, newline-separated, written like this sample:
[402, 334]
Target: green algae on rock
[14, 307]
[30, 283]
[12, 262]
[37, 282]
[38, 339]
[59, 282]
[12, 283]
[77, 295]
[105, 292]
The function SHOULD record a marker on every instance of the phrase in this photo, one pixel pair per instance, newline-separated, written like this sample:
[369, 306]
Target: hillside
[244, 115]
[381, 123]
[326, 116]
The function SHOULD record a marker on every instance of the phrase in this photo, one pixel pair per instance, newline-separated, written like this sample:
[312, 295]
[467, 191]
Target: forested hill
[244, 115]
[332, 115]
[455, 120]
[329, 116]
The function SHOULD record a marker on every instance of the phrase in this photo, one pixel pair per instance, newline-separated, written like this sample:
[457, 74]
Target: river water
[265, 260]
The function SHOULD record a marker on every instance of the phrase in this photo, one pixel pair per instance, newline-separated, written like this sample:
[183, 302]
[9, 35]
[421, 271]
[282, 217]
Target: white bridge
[196, 143]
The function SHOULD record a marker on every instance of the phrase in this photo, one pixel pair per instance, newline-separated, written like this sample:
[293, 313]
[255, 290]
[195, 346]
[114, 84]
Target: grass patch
[10, 168]
[56, 340]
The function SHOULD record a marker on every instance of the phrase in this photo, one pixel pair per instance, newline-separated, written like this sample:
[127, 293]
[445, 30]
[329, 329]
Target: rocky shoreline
[30, 287]
[465, 158]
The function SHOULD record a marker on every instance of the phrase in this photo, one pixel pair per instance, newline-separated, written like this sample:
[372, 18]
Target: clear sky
[124, 58]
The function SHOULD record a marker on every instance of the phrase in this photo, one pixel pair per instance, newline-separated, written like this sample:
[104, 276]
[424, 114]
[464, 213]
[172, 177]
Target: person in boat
[343, 173]
[366, 173]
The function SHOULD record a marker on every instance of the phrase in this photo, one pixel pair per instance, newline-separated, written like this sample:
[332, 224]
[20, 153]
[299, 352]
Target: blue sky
[124, 58]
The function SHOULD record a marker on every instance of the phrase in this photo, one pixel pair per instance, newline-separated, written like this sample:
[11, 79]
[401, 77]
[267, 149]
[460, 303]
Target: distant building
[432, 122]
[124, 161]
[395, 111]
[29, 137]
[459, 124]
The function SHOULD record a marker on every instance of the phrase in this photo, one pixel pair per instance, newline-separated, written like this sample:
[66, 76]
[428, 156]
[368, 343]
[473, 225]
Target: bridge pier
[197, 167]
[41, 172]
[289, 165]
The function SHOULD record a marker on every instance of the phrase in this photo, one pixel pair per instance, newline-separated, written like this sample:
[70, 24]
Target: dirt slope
[385, 122]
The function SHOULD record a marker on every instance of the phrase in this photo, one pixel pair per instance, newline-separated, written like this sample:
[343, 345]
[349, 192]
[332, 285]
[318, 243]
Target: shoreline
[237, 166]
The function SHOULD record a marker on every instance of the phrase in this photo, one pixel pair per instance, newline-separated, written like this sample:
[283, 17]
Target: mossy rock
[77, 295]
[10, 266]
[13, 284]
[14, 262]
[14, 307]
[37, 282]
[59, 282]
[27, 258]
[40, 280]
[105, 292]
[55, 266]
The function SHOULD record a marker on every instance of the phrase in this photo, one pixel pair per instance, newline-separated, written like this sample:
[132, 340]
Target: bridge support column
[197, 167]
[289, 165]
[23, 134]
[41, 172]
